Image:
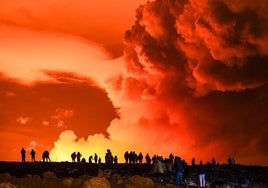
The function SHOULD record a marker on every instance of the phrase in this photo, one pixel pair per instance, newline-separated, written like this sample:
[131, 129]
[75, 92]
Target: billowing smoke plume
[211, 45]
[196, 79]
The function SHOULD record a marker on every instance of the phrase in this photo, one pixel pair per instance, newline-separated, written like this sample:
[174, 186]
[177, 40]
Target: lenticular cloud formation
[195, 82]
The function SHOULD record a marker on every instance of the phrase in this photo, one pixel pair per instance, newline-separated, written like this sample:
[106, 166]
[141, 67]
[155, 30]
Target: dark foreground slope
[216, 176]
[67, 169]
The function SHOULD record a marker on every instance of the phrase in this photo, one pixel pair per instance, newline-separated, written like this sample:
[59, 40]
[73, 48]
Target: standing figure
[185, 171]
[193, 162]
[126, 156]
[23, 155]
[213, 161]
[90, 159]
[140, 157]
[179, 170]
[201, 174]
[171, 157]
[148, 159]
[73, 156]
[96, 158]
[33, 155]
[78, 156]
[109, 157]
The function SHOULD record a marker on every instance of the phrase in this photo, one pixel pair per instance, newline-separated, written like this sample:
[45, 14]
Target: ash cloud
[205, 63]
[221, 45]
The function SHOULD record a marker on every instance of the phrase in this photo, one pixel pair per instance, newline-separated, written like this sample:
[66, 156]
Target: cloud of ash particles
[195, 83]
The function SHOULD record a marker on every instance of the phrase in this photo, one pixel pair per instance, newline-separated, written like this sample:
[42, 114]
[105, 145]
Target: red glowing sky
[187, 77]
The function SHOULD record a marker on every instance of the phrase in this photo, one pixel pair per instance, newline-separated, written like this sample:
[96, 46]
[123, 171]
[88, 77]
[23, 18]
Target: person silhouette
[90, 159]
[171, 157]
[140, 157]
[201, 174]
[83, 160]
[109, 157]
[96, 158]
[73, 156]
[23, 155]
[33, 155]
[78, 156]
[126, 156]
[179, 170]
[45, 156]
[115, 160]
[213, 161]
[185, 176]
[193, 162]
[148, 159]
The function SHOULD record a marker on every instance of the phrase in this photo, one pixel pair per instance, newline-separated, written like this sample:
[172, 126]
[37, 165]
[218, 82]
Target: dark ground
[217, 175]
[68, 169]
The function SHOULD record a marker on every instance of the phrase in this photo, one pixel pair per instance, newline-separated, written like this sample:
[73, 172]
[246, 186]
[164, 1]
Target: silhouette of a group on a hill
[45, 156]
[173, 167]
[76, 156]
[132, 158]
[109, 158]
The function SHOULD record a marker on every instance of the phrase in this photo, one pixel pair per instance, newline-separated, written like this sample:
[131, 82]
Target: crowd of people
[109, 158]
[45, 156]
[173, 166]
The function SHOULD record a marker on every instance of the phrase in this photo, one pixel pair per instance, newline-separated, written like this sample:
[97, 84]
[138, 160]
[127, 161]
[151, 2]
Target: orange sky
[180, 77]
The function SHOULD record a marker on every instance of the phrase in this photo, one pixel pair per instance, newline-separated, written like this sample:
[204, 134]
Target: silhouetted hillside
[217, 176]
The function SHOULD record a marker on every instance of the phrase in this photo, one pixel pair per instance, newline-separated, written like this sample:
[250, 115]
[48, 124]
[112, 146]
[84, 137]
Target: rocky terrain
[72, 175]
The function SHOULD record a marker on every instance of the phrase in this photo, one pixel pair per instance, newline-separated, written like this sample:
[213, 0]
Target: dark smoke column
[206, 63]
